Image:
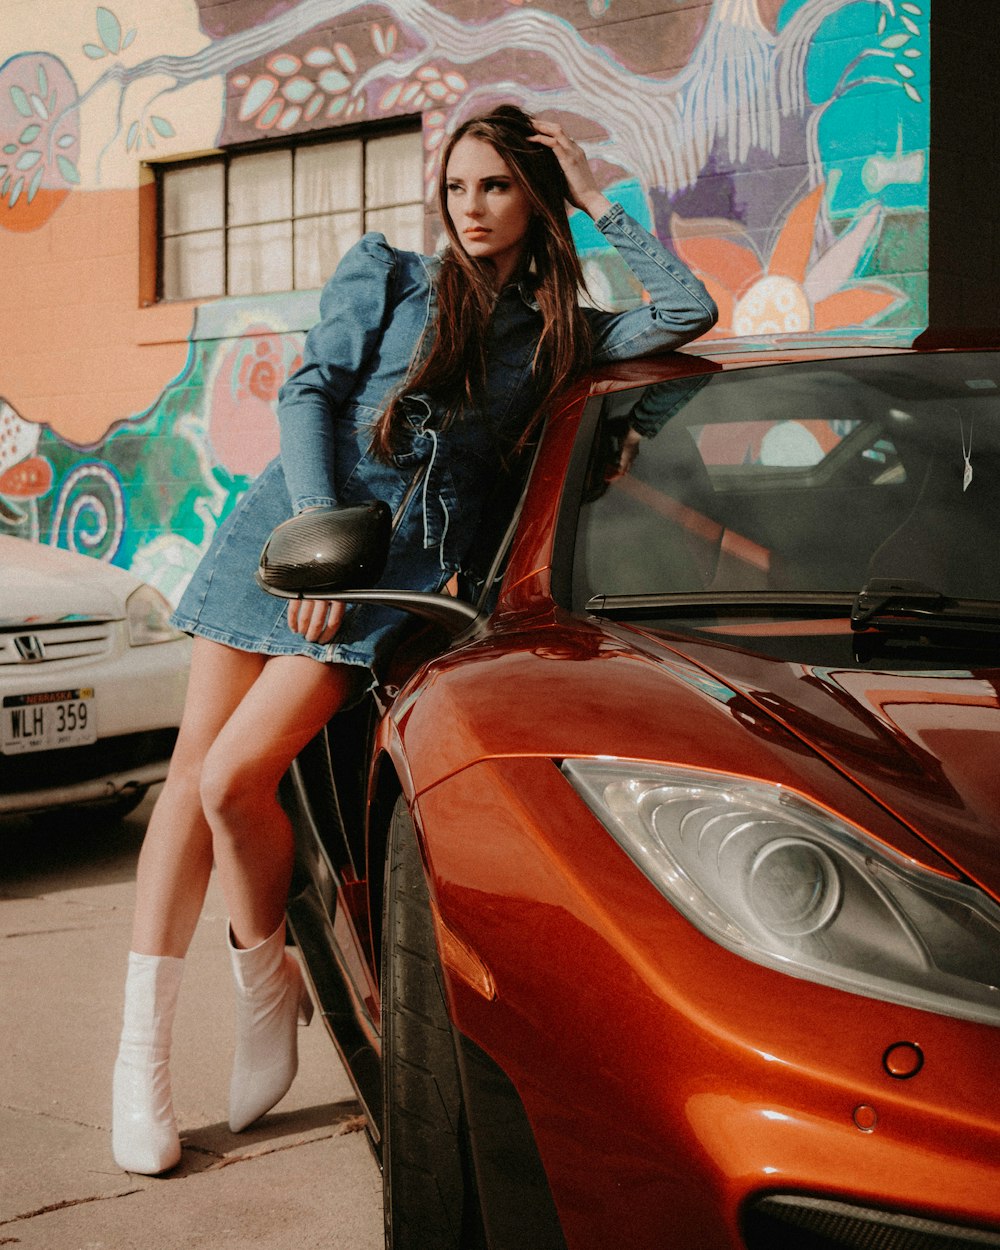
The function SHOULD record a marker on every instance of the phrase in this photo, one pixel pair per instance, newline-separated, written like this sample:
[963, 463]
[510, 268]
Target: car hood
[922, 744]
[41, 584]
[909, 755]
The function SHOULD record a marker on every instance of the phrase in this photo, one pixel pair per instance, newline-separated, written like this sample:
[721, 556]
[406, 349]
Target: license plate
[46, 722]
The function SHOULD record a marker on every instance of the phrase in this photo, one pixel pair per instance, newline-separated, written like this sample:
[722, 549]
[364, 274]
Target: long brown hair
[453, 370]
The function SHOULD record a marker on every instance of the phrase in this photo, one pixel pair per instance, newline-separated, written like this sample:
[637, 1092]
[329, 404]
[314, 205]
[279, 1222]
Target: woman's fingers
[582, 185]
[317, 620]
[568, 152]
[626, 457]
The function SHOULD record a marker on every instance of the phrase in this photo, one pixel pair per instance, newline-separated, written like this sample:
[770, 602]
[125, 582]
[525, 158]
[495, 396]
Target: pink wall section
[80, 354]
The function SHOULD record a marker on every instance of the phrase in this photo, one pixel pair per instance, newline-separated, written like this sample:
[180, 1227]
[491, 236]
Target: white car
[92, 682]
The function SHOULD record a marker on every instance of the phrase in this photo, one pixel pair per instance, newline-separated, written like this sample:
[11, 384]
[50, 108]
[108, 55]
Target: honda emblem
[29, 648]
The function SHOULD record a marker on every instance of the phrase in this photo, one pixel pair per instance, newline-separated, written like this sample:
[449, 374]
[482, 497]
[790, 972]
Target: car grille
[45, 770]
[797, 1222]
[45, 643]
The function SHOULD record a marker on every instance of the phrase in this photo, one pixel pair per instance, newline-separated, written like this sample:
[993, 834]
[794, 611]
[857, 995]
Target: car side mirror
[327, 549]
[340, 553]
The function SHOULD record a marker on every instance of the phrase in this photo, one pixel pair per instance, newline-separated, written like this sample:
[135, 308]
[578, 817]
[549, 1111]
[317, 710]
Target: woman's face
[488, 208]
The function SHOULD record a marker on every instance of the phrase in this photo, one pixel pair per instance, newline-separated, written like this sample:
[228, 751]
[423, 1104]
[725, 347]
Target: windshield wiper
[892, 604]
[734, 601]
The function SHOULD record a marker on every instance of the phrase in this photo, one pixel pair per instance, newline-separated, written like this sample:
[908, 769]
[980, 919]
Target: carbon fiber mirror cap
[327, 550]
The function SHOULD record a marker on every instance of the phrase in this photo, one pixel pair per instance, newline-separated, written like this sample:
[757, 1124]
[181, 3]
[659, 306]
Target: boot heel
[305, 1008]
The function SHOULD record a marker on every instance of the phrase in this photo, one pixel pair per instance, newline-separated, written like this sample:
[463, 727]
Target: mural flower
[799, 287]
[242, 425]
[261, 373]
[23, 474]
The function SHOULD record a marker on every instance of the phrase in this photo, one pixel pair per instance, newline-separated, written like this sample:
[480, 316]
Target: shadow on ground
[64, 850]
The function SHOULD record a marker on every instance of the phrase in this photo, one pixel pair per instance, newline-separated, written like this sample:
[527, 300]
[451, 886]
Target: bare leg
[174, 868]
[245, 719]
[285, 707]
[176, 858]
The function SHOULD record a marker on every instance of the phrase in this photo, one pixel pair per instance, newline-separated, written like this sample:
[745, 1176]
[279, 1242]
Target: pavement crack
[66, 928]
[51, 1115]
[352, 1125]
[68, 1202]
[200, 1150]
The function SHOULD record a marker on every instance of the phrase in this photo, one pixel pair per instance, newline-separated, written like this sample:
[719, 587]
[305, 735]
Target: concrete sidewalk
[303, 1177]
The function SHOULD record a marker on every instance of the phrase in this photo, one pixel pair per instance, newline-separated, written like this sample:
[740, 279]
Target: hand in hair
[583, 189]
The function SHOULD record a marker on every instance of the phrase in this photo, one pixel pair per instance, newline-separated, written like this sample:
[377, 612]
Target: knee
[183, 781]
[233, 791]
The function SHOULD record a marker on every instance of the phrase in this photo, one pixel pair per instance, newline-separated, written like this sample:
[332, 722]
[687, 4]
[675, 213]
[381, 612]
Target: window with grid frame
[280, 218]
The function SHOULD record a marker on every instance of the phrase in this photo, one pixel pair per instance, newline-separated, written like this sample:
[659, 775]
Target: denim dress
[373, 314]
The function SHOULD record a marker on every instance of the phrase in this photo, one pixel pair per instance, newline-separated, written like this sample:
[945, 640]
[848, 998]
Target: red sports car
[654, 900]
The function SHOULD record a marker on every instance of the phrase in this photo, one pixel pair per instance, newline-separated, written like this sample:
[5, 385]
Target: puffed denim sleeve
[353, 308]
[679, 307]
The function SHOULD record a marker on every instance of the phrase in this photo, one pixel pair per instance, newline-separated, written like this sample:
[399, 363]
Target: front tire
[429, 1194]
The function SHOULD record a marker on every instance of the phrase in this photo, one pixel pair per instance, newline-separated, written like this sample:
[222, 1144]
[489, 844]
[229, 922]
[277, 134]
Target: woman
[416, 361]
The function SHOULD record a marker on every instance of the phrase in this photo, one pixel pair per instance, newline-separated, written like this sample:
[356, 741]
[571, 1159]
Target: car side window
[790, 478]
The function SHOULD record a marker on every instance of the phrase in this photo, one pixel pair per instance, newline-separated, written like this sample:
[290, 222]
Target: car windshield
[797, 480]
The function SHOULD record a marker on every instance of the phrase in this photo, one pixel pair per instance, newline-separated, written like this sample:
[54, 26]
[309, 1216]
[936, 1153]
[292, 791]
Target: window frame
[365, 132]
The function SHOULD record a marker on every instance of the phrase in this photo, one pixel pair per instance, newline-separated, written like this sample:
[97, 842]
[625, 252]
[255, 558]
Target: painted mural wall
[780, 146]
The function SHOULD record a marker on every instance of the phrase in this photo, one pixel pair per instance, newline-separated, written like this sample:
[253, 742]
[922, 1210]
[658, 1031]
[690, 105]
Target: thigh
[219, 679]
[291, 699]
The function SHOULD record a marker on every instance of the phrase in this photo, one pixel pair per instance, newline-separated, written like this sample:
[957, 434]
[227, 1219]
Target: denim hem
[333, 653]
[323, 653]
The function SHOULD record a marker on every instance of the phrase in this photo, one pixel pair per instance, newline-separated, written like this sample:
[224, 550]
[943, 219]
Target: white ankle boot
[143, 1129]
[270, 1000]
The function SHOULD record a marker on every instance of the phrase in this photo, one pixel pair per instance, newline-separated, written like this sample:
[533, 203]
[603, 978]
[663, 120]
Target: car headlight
[148, 618]
[784, 883]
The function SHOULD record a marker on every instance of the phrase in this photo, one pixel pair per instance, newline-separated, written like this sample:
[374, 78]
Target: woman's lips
[474, 232]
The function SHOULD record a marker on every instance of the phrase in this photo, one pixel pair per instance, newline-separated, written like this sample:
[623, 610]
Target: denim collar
[524, 291]
[522, 286]
[528, 295]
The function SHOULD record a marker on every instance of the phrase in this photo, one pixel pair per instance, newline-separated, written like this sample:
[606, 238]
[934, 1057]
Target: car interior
[798, 479]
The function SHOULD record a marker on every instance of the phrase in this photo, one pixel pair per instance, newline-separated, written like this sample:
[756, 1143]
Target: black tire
[430, 1200]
